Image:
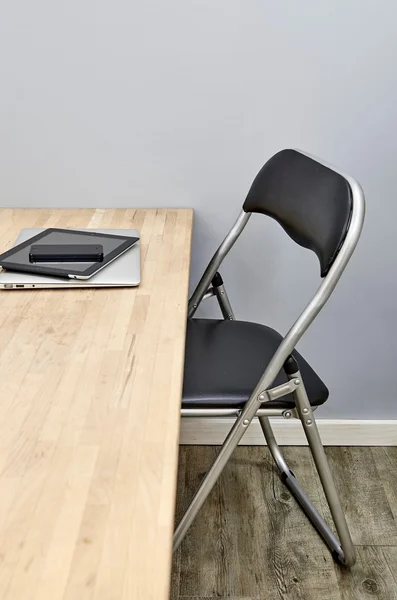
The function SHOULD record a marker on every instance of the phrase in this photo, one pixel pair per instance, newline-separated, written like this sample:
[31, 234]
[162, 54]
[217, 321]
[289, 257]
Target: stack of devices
[51, 258]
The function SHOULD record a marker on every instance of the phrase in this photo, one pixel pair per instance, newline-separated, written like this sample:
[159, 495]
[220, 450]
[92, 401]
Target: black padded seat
[225, 359]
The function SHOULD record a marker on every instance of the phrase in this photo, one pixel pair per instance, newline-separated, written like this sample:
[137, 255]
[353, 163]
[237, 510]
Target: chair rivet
[305, 411]
[309, 422]
[245, 422]
[287, 415]
[296, 381]
[261, 397]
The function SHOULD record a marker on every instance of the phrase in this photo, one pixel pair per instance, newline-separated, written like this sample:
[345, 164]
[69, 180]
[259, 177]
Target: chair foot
[343, 552]
[312, 513]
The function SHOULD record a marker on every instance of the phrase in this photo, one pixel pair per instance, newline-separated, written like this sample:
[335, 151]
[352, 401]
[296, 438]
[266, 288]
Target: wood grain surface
[251, 541]
[89, 419]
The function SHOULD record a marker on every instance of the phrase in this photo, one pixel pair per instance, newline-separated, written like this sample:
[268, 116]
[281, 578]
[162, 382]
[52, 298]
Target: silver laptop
[122, 272]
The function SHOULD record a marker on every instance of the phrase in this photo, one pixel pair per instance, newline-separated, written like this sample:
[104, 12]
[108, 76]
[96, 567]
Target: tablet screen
[17, 258]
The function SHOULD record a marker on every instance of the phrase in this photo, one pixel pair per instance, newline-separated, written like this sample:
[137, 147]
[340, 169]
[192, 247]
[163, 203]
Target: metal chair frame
[211, 284]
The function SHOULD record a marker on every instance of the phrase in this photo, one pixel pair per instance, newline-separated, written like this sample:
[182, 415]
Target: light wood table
[90, 394]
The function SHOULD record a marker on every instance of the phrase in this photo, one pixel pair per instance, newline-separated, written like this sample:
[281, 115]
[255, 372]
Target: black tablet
[110, 246]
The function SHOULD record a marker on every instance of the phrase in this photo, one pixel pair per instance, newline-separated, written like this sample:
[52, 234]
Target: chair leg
[342, 550]
[235, 434]
[222, 297]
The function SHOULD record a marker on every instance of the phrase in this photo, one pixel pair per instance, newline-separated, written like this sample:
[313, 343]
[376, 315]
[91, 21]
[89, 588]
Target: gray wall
[179, 103]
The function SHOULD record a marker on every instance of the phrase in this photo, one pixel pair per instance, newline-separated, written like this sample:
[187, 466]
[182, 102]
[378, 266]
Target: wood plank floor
[252, 542]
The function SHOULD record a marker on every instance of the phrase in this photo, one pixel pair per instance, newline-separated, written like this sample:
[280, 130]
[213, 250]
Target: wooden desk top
[89, 419]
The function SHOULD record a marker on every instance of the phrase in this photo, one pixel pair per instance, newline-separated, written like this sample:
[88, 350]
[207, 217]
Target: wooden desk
[89, 419]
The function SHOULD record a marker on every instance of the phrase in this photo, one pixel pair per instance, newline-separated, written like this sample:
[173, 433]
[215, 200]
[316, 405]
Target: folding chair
[231, 366]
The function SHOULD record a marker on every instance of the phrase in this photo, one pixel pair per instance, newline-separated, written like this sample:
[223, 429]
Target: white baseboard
[334, 432]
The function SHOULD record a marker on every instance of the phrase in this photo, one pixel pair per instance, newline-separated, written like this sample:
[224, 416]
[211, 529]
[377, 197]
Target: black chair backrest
[310, 201]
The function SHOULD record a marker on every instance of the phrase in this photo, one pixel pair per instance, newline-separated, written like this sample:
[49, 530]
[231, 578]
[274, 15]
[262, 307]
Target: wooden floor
[252, 542]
